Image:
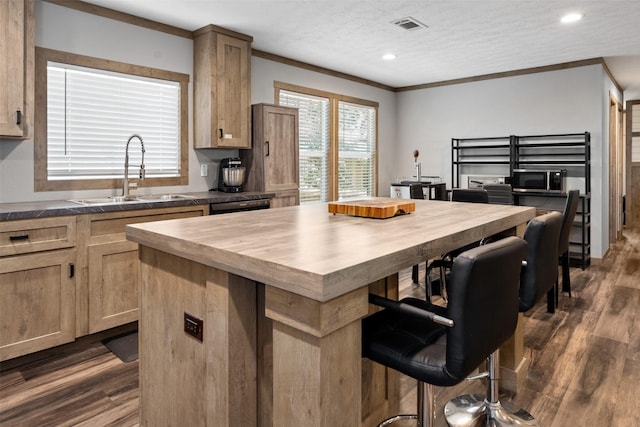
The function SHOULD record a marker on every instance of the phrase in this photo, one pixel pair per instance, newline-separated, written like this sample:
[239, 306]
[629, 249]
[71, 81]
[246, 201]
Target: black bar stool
[537, 278]
[442, 346]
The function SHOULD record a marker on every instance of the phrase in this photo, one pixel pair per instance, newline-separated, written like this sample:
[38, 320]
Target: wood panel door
[273, 164]
[114, 282]
[221, 88]
[280, 149]
[37, 302]
[633, 164]
[616, 169]
[234, 92]
[16, 67]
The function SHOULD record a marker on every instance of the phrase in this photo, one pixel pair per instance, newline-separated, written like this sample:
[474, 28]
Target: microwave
[539, 180]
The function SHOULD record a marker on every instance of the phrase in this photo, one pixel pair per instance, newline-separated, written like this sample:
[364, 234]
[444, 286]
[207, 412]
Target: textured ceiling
[463, 39]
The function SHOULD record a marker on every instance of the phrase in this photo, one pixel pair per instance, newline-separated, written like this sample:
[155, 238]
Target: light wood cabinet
[113, 268]
[273, 163]
[37, 284]
[16, 68]
[222, 88]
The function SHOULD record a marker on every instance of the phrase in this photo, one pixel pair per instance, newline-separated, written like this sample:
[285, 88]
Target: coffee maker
[231, 175]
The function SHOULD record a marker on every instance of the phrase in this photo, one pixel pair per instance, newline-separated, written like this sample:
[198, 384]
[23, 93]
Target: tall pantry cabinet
[16, 68]
[273, 164]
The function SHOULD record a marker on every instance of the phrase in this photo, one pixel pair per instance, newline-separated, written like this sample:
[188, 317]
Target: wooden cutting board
[373, 208]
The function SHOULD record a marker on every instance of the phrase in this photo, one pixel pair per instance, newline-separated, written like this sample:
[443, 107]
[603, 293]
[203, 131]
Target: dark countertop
[51, 208]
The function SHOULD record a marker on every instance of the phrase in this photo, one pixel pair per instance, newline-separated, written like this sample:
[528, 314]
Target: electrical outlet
[193, 326]
[204, 170]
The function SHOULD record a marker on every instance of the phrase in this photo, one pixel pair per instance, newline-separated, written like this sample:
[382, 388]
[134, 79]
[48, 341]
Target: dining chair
[569, 214]
[415, 192]
[443, 264]
[500, 194]
[442, 346]
[469, 195]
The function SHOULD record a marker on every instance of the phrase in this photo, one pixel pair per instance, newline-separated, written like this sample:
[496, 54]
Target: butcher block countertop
[308, 251]
[373, 208]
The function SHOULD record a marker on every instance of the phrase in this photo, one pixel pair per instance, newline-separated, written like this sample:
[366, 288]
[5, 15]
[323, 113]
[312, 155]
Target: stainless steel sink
[106, 200]
[130, 199]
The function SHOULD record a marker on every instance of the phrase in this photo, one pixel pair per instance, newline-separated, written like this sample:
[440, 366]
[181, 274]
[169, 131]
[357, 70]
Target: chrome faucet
[125, 182]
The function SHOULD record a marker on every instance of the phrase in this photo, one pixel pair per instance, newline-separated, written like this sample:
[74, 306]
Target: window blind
[92, 113]
[356, 150]
[314, 142]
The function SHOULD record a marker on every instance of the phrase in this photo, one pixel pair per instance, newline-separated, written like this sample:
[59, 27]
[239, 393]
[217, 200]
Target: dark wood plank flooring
[584, 362]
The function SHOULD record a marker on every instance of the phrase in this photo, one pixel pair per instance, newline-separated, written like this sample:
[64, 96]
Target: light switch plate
[204, 170]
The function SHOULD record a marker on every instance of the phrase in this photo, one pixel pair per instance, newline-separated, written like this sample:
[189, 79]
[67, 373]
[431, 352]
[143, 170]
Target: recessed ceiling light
[388, 56]
[571, 17]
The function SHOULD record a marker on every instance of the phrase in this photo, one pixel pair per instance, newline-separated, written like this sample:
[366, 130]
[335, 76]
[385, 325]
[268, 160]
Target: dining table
[254, 318]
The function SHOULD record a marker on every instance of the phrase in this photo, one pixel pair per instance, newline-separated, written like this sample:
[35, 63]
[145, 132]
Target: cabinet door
[286, 198]
[280, 149]
[233, 92]
[12, 67]
[114, 277]
[37, 302]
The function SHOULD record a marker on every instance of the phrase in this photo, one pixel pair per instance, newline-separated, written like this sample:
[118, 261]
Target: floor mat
[124, 346]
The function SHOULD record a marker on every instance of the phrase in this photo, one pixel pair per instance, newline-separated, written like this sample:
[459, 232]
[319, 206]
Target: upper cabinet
[222, 88]
[16, 68]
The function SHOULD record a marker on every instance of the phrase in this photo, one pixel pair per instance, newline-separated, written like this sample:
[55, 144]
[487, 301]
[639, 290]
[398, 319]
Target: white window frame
[177, 144]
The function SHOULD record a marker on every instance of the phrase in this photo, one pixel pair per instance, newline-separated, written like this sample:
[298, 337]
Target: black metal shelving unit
[475, 154]
[501, 155]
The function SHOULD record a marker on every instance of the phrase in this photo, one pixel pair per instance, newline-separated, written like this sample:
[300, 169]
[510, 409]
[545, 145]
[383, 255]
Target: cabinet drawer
[104, 224]
[35, 235]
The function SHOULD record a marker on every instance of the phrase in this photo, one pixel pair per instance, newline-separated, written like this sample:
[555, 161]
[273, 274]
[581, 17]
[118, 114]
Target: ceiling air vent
[409, 23]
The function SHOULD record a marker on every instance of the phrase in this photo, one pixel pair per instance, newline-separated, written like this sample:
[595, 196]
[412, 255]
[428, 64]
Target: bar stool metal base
[426, 406]
[474, 411]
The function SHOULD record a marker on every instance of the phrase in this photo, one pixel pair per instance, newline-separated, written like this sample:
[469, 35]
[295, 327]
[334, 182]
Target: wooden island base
[256, 340]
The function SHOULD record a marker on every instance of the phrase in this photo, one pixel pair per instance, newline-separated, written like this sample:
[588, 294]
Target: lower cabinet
[65, 277]
[37, 284]
[37, 302]
[112, 273]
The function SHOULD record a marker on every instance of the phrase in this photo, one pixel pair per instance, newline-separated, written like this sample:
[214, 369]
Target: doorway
[633, 164]
[616, 169]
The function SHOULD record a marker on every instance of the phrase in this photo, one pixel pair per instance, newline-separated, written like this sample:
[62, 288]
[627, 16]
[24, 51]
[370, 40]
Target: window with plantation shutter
[337, 148]
[92, 107]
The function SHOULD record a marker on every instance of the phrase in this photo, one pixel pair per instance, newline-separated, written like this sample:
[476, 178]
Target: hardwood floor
[584, 363]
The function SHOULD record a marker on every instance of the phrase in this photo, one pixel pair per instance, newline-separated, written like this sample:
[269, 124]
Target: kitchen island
[280, 294]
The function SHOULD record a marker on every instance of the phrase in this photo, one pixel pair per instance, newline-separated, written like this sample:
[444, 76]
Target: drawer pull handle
[72, 269]
[18, 238]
